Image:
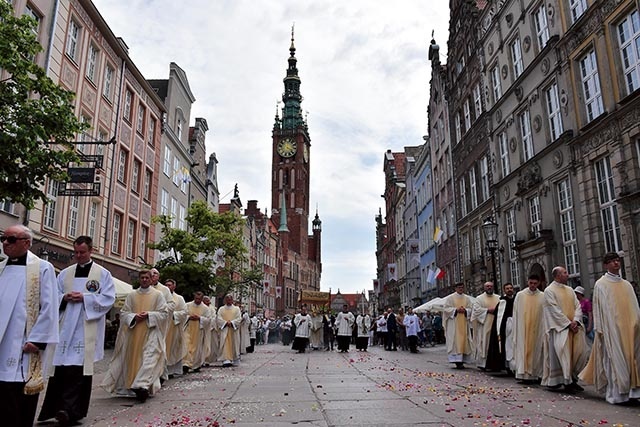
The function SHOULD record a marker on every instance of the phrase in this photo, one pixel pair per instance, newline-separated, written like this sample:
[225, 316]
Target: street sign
[84, 175]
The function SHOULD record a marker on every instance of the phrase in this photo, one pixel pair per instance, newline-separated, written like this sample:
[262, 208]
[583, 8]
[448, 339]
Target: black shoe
[142, 394]
[554, 387]
[63, 418]
[573, 387]
[185, 369]
[459, 365]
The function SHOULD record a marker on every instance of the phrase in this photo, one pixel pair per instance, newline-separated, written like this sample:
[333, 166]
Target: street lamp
[490, 231]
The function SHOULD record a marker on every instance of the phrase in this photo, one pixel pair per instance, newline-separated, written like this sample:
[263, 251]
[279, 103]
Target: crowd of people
[554, 337]
[55, 326]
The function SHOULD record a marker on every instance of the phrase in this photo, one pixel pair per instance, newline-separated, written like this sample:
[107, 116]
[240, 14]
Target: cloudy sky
[365, 75]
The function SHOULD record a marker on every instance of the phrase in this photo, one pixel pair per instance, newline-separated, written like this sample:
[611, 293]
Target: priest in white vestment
[528, 332]
[303, 330]
[317, 330]
[86, 293]
[176, 345]
[245, 340]
[213, 344]
[228, 320]
[197, 333]
[412, 327]
[564, 344]
[457, 326]
[483, 319]
[363, 325]
[344, 325]
[614, 365]
[139, 355]
[28, 323]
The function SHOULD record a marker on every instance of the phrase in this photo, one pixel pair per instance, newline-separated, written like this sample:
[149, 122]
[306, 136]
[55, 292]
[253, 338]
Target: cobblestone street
[277, 387]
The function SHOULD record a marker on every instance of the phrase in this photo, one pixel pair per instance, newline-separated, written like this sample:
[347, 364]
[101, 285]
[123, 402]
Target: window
[477, 243]
[72, 226]
[107, 89]
[182, 223]
[164, 202]
[472, 188]
[463, 197]
[151, 132]
[92, 62]
[629, 34]
[128, 99]
[503, 147]
[484, 178]
[85, 136]
[458, 127]
[179, 128]
[176, 171]
[140, 122]
[452, 220]
[495, 82]
[577, 8]
[466, 250]
[568, 226]
[542, 26]
[135, 176]
[147, 184]
[591, 85]
[608, 206]
[93, 220]
[514, 266]
[122, 166]
[73, 40]
[534, 214]
[477, 100]
[166, 165]
[525, 133]
[50, 207]
[131, 232]
[467, 115]
[553, 107]
[174, 212]
[7, 206]
[115, 236]
[516, 58]
[102, 136]
[144, 232]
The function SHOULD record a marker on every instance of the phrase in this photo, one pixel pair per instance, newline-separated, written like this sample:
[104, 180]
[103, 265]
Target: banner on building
[392, 272]
[278, 292]
[266, 286]
[437, 235]
[413, 250]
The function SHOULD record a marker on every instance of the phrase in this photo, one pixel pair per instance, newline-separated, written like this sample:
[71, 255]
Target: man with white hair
[28, 322]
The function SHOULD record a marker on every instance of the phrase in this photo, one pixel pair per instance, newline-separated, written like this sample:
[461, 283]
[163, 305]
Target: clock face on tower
[287, 147]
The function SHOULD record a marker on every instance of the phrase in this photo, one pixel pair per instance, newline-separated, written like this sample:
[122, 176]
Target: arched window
[293, 178]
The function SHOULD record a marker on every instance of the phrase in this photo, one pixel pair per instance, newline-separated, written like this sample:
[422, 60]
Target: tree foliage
[37, 116]
[192, 261]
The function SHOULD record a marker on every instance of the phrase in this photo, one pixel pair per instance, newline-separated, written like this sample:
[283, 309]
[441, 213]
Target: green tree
[37, 116]
[192, 259]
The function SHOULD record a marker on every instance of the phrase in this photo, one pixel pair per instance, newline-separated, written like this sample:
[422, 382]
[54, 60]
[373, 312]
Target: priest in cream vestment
[528, 332]
[614, 365]
[485, 318]
[197, 333]
[86, 293]
[228, 320]
[176, 345]
[457, 326]
[139, 356]
[564, 344]
[213, 343]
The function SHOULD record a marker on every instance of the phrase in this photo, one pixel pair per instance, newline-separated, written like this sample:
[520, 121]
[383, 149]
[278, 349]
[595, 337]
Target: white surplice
[14, 365]
[95, 305]
[344, 323]
[303, 325]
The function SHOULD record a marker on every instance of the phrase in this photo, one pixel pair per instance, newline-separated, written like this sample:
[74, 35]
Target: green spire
[283, 214]
[291, 113]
